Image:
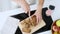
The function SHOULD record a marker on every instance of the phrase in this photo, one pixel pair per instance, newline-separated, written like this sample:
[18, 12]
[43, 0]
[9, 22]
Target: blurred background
[10, 4]
[9, 8]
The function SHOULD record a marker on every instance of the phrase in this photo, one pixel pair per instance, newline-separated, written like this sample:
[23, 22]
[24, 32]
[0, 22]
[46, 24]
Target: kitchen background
[12, 9]
[10, 4]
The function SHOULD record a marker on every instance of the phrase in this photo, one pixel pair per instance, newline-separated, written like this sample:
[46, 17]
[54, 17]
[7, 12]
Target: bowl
[55, 28]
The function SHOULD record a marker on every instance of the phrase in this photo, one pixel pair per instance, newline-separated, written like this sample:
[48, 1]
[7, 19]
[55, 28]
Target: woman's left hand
[38, 16]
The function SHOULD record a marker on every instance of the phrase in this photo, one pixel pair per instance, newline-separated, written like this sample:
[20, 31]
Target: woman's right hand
[24, 5]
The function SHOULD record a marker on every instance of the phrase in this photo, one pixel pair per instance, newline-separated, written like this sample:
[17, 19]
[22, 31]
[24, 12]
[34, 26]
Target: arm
[23, 4]
[38, 12]
[40, 5]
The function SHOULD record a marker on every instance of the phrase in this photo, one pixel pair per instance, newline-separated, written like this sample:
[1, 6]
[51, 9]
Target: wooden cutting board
[33, 29]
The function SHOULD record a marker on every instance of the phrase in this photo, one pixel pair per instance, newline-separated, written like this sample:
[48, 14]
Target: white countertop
[55, 15]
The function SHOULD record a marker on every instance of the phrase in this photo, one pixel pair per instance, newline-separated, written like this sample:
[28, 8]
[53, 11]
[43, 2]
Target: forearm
[22, 3]
[40, 5]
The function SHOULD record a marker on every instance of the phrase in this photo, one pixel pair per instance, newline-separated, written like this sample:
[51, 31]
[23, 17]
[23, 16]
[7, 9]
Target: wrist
[38, 11]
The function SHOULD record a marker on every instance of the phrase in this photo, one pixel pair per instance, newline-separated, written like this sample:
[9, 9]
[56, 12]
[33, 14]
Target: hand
[38, 16]
[26, 7]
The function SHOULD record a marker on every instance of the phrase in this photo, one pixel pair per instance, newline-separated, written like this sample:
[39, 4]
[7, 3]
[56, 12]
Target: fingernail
[25, 12]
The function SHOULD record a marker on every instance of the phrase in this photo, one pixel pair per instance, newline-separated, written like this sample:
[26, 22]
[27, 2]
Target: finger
[29, 14]
[26, 12]
[37, 18]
